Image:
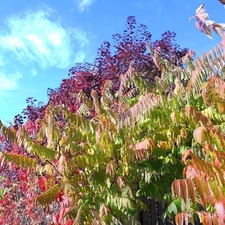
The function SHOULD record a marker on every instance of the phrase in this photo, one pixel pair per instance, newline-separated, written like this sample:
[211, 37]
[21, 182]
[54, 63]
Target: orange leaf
[179, 219]
[191, 190]
[209, 193]
[215, 219]
[176, 188]
[220, 106]
[206, 219]
[184, 190]
[200, 190]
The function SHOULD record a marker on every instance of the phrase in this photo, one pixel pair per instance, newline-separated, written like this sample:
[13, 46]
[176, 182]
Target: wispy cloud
[38, 37]
[83, 4]
[9, 81]
[33, 72]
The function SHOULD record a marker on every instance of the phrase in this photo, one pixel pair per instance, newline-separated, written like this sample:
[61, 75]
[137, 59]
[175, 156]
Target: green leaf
[20, 160]
[172, 208]
[49, 196]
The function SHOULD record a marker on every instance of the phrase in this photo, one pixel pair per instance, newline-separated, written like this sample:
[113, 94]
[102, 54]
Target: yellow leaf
[220, 106]
[199, 134]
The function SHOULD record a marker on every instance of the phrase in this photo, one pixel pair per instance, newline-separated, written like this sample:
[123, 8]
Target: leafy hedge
[168, 140]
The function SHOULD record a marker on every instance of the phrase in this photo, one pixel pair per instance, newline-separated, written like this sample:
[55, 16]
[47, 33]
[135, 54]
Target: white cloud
[35, 37]
[83, 4]
[9, 82]
[33, 72]
[79, 57]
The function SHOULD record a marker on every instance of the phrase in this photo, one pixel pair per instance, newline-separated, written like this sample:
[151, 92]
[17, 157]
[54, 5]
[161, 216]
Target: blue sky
[41, 40]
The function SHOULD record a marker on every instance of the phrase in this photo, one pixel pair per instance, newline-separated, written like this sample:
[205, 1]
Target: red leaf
[200, 9]
[119, 182]
[69, 222]
[108, 168]
[59, 197]
[220, 211]
[23, 176]
[186, 153]
[189, 172]
[42, 183]
[185, 215]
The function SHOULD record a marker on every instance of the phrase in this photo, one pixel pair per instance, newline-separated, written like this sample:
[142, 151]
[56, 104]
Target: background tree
[131, 45]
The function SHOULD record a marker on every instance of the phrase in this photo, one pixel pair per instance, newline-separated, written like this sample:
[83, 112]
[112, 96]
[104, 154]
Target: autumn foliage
[110, 63]
[133, 124]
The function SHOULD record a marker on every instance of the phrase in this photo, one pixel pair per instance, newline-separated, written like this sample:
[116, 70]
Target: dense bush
[83, 164]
